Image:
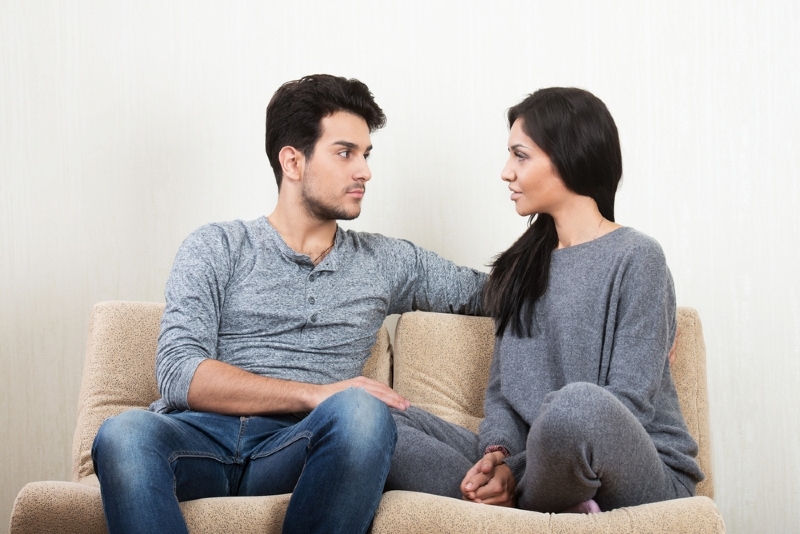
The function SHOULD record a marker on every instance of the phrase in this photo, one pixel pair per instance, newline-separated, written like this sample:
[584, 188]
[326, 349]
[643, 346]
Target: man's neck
[302, 234]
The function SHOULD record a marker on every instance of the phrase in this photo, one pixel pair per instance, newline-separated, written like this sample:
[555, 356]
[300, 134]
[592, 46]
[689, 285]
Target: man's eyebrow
[351, 146]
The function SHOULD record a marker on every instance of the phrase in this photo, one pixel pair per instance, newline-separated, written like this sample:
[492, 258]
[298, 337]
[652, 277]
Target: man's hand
[377, 389]
[490, 482]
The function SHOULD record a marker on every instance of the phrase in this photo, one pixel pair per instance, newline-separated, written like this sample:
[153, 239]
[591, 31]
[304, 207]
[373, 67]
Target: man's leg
[586, 444]
[338, 455]
[432, 455]
[142, 459]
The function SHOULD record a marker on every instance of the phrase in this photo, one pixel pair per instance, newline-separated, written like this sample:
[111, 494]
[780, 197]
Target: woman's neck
[580, 221]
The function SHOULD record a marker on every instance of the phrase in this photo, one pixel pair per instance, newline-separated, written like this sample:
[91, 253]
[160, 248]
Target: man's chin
[349, 216]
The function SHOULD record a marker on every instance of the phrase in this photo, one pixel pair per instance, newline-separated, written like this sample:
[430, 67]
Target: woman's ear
[292, 161]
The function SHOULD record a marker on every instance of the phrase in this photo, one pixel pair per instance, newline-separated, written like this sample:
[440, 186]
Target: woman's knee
[574, 412]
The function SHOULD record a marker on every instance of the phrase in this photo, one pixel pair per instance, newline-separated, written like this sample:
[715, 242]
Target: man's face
[335, 174]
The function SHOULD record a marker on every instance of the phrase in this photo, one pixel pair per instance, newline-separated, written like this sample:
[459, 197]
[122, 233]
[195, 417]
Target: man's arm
[225, 389]
[425, 281]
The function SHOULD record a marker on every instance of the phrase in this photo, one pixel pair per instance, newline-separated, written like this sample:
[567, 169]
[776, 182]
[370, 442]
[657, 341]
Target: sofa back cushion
[119, 370]
[441, 363]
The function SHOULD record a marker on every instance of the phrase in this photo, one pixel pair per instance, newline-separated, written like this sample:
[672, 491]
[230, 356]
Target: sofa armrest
[76, 508]
[54, 506]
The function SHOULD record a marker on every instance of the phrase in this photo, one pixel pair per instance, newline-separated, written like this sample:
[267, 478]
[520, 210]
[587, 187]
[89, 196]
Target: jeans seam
[242, 429]
[196, 454]
[300, 435]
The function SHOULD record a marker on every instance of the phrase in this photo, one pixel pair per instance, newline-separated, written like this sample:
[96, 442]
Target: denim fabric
[334, 462]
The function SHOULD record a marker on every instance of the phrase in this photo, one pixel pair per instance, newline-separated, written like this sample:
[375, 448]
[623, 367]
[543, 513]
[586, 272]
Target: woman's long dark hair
[576, 131]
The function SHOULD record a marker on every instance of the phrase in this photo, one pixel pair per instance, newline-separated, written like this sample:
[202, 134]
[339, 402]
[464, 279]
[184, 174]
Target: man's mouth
[357, 192]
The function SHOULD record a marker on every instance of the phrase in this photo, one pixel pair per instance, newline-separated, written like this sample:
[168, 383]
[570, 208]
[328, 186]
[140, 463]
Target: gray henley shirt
[237, 293]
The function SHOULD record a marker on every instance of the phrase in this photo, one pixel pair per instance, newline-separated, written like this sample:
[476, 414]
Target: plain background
[124, 125]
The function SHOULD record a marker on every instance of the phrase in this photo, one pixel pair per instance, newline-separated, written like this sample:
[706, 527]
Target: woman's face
[535, 186]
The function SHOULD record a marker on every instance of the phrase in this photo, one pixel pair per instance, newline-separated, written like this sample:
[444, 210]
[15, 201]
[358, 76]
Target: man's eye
[367, 155]
[344, 153]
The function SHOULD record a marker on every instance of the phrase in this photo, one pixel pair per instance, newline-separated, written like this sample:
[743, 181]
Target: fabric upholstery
[689, 374]
[76, 508]
[441, 362]
[122, 335]
[420, 513]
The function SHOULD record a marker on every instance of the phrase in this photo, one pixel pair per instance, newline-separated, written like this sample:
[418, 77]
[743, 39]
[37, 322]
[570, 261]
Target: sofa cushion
[419, 513]
[441, 363]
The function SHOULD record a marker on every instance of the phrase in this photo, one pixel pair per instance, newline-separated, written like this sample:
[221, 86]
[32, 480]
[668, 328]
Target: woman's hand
[490, 482]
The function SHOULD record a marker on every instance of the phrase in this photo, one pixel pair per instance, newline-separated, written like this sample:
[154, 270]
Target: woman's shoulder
[629, 239]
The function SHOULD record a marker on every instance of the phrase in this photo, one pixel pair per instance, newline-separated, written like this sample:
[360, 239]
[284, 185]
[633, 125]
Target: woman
[581, 414]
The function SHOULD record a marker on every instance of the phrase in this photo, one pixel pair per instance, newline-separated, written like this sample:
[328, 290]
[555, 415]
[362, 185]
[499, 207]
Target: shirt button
[311, 300]
[314, 318]
[312, 277]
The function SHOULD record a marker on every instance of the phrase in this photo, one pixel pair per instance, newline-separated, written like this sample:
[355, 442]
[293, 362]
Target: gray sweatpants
[583, 445]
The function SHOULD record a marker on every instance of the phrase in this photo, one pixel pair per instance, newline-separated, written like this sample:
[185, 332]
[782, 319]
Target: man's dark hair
[295, 113]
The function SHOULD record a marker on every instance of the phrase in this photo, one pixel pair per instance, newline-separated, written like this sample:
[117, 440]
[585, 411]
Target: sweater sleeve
[643, 331]
[425, 281]
[502, 426]
[189, 327]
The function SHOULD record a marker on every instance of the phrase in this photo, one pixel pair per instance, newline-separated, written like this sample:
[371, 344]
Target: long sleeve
[425, 281]
[501, 425]
[642, 332]
[194, 297]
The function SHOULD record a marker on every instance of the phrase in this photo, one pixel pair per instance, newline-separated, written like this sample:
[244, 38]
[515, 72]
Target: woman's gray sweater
[607, 318]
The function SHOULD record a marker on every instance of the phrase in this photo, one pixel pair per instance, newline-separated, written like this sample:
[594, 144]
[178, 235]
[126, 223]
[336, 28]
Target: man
[266, 327]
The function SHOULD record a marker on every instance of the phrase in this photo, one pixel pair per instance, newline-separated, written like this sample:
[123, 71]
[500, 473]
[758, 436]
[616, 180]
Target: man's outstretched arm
[222, 388]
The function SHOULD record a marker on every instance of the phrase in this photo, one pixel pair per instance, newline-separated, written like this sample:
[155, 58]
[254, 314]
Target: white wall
[124, 125]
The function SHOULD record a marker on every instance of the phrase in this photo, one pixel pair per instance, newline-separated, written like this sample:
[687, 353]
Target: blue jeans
[334, 462]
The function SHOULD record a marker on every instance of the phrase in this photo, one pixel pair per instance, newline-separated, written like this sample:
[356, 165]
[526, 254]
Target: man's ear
[292, 162]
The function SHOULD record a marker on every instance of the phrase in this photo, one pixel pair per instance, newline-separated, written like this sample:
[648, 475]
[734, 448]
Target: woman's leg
[586, 445]
[432, 455]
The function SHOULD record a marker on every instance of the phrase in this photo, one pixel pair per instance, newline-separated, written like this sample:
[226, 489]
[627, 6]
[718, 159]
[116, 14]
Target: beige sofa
[439, 361]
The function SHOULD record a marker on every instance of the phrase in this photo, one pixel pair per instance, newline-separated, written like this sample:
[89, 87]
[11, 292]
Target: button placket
[312, 300]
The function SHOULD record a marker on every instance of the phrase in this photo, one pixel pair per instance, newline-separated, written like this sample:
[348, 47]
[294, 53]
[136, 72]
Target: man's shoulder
[226, 231]
[234, 227]
[369, 241]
